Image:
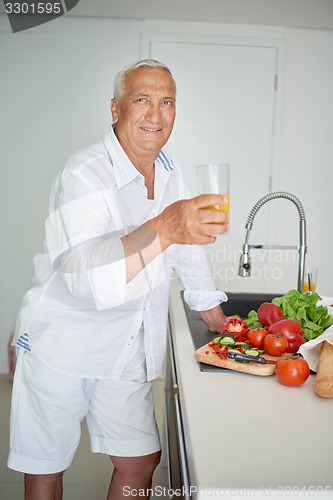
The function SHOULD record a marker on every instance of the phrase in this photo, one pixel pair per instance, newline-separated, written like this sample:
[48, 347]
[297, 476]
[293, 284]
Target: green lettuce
[314, 320]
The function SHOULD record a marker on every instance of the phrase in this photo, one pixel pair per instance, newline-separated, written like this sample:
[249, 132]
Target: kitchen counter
[247, 435]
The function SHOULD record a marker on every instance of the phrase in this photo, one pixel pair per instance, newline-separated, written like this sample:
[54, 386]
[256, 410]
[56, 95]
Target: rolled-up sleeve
[203, 300]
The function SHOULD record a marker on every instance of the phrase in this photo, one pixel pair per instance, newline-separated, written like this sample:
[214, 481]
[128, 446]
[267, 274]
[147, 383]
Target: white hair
[120, 78]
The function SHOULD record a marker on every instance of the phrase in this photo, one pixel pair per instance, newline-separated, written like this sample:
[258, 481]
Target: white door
[226, 112]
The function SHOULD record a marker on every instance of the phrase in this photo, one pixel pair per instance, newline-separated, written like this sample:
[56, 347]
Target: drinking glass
[213, 178]
[310, 275]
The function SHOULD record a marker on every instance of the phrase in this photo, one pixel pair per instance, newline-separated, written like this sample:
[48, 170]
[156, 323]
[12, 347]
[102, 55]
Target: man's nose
[153, 113]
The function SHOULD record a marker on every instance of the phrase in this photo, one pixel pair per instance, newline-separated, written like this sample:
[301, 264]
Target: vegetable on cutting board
[256, 337]
[224, 343]
[235, 326]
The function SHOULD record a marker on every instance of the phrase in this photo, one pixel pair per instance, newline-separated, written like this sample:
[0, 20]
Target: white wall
[55, 86]
[306, 154]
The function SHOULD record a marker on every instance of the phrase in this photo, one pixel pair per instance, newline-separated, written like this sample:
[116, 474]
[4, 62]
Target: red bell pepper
[236, 327]
[221, 351]
[269, 313]
[291, 330]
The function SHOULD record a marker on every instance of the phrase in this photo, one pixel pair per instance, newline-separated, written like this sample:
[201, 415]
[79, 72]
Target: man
[91, 331]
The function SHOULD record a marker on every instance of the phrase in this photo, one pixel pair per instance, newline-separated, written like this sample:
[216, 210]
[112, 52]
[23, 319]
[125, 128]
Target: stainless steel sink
[242, 303]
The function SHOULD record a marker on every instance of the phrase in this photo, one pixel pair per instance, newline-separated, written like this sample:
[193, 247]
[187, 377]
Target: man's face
[145, 116]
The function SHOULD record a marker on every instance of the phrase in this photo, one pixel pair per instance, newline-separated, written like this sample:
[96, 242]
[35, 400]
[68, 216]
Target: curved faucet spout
[245, 261]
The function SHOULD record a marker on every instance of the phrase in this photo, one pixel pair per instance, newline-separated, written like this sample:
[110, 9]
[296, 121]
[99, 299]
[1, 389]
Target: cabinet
[175, 442]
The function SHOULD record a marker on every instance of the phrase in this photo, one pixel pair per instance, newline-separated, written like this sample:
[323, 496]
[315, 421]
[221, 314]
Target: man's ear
[114, 110]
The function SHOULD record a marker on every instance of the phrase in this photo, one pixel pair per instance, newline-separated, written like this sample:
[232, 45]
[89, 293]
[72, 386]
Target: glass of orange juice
[214, 178]
[310, 276]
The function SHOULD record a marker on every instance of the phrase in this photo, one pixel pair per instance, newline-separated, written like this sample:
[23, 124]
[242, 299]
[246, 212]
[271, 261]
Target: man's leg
[46, 414]
[132, 473]
[43, 486]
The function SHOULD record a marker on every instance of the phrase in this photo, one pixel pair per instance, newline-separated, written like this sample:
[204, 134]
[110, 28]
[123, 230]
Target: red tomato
[291, 329]
[292, 370]
[256, 337]
[269, 313]
[275, 344]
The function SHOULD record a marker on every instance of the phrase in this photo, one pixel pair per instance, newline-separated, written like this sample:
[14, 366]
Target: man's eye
[141, 99]
[167, 102]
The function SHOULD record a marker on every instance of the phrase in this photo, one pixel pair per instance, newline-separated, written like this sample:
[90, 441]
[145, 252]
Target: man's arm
[182, 222]
[89, 260]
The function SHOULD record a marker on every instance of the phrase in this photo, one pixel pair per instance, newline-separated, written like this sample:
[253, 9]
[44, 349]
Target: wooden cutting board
[205, 354]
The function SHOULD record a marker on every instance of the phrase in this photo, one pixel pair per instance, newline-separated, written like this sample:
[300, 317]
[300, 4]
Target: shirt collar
[125, 171]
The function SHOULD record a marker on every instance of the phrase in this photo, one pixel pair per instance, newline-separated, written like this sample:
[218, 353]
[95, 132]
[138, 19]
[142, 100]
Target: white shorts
[48, 407]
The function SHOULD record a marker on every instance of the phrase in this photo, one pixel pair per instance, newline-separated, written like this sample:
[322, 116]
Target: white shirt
[80, 317]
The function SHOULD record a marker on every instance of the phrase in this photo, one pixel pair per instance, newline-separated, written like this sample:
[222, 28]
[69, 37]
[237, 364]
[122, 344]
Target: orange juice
[220, 208]
[311, 273]
[306, 287]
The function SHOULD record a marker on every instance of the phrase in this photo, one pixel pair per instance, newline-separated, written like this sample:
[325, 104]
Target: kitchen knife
[238, 356]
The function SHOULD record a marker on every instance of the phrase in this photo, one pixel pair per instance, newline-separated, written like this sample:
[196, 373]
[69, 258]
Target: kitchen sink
[238, 303]
[242, 303]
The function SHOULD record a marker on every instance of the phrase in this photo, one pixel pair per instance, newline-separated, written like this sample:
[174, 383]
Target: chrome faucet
[245, 261]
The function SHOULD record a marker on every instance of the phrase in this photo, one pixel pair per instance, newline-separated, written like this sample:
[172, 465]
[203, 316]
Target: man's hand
[214, 318]
[185, 221]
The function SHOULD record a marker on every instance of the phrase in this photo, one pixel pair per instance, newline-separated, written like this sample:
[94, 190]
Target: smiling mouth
[148, 129]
